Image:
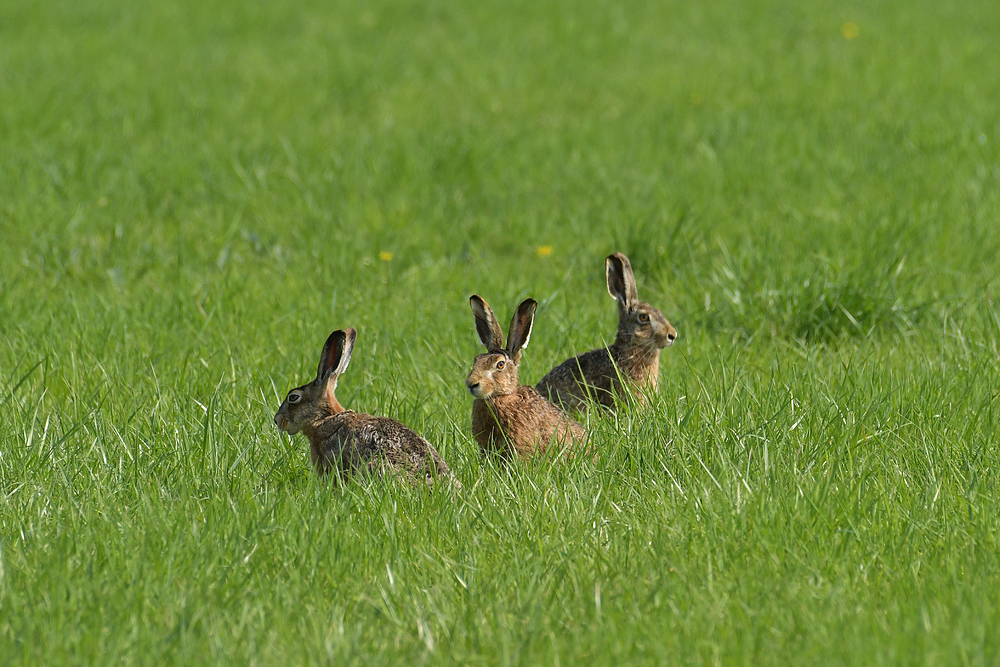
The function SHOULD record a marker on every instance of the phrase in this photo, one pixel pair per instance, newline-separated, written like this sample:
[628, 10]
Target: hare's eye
[501, 364]
[644, 317]
[294, 398]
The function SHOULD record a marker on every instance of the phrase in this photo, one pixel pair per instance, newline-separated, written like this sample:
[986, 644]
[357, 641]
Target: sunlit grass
[195, 195]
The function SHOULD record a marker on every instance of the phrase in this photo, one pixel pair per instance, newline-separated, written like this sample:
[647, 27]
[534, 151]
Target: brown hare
[347, 442]
[634, 356]
[509, 418]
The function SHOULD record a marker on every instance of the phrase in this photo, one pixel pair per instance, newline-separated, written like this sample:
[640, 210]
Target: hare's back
[587, 375]
[367, 438]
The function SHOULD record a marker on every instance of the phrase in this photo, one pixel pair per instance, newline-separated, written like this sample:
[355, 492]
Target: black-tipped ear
[520, 328]
[487, 326]
[336, 353]
[621, 280]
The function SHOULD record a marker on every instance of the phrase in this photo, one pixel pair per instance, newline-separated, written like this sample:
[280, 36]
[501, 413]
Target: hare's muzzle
[667, 335]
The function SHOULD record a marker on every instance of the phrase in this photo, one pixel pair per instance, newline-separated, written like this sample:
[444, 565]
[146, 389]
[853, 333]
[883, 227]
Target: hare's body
[509, 418]
[522, 423]
[634, 357]
[349, 443]
[598, 375]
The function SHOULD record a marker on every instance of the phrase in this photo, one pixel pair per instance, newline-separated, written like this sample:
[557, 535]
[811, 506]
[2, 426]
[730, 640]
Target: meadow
[194, 194]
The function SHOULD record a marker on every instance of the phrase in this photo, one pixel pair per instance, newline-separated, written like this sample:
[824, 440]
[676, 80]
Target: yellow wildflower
[544, 251]
[385, 256]
[850, 30]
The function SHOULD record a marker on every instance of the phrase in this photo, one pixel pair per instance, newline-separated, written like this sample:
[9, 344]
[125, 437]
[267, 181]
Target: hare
[507, 417]
[634, 356]
[349, 442]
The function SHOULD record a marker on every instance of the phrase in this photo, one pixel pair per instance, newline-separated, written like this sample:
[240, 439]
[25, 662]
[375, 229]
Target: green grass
[194, 194]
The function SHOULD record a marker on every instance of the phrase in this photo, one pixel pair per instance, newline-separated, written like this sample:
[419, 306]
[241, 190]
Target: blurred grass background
[192, 195]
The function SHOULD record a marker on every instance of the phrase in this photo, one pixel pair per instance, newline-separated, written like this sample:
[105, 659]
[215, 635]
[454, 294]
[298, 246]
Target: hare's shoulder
[536, 411]
[524, 402]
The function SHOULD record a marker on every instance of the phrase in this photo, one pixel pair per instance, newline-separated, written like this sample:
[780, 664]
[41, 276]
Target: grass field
[194, 194]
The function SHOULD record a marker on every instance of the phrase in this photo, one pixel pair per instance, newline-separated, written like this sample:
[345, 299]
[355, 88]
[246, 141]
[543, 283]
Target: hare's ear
[486, 324]
[336, 353]
[520, 328]
[621, 281]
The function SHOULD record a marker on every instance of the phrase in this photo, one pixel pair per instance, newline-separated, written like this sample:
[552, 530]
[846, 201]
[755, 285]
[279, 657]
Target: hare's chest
[640, 367]
[486, 430]
[512, 425]
[646, 374]
[495, 429]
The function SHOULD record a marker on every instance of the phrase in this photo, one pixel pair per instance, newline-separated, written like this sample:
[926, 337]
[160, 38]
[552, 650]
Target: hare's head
[495, 373]
[314, 401]
[639, 324]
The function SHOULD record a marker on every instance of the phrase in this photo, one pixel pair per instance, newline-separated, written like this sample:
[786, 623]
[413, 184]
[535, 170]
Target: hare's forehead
[650, 310]
[303, 389]
[490, 358]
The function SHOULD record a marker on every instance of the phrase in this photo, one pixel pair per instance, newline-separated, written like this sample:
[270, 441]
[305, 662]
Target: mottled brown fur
[634, 356]
[522, 423]
[353, 442]
[569, 385]
[508, 418]
[349, 443]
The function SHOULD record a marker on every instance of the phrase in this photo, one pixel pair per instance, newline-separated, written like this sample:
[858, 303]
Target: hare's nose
[671, 336]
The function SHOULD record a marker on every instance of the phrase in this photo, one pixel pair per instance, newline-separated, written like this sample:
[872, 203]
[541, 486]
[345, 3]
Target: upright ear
[520, 329]
[621, 281]
[486, 324]
[336, 353]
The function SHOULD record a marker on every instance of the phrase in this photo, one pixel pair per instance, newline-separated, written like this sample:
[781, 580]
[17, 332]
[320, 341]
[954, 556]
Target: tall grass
[195, 194]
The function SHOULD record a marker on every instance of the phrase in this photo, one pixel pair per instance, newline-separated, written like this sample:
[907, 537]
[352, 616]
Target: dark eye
[501, 364]
[644, 317]
[294, 398]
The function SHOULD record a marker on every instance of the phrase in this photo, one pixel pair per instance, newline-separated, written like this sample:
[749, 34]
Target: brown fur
[634, 357]
[349, 443]
[508, 418]
[522, 423]
[352, 442]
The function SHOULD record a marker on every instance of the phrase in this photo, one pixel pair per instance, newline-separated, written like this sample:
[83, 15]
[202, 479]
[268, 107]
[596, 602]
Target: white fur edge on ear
[350, 337]
[529, 305]
[629, 296]
[608, 268]
[527, 336]
[612, 275]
